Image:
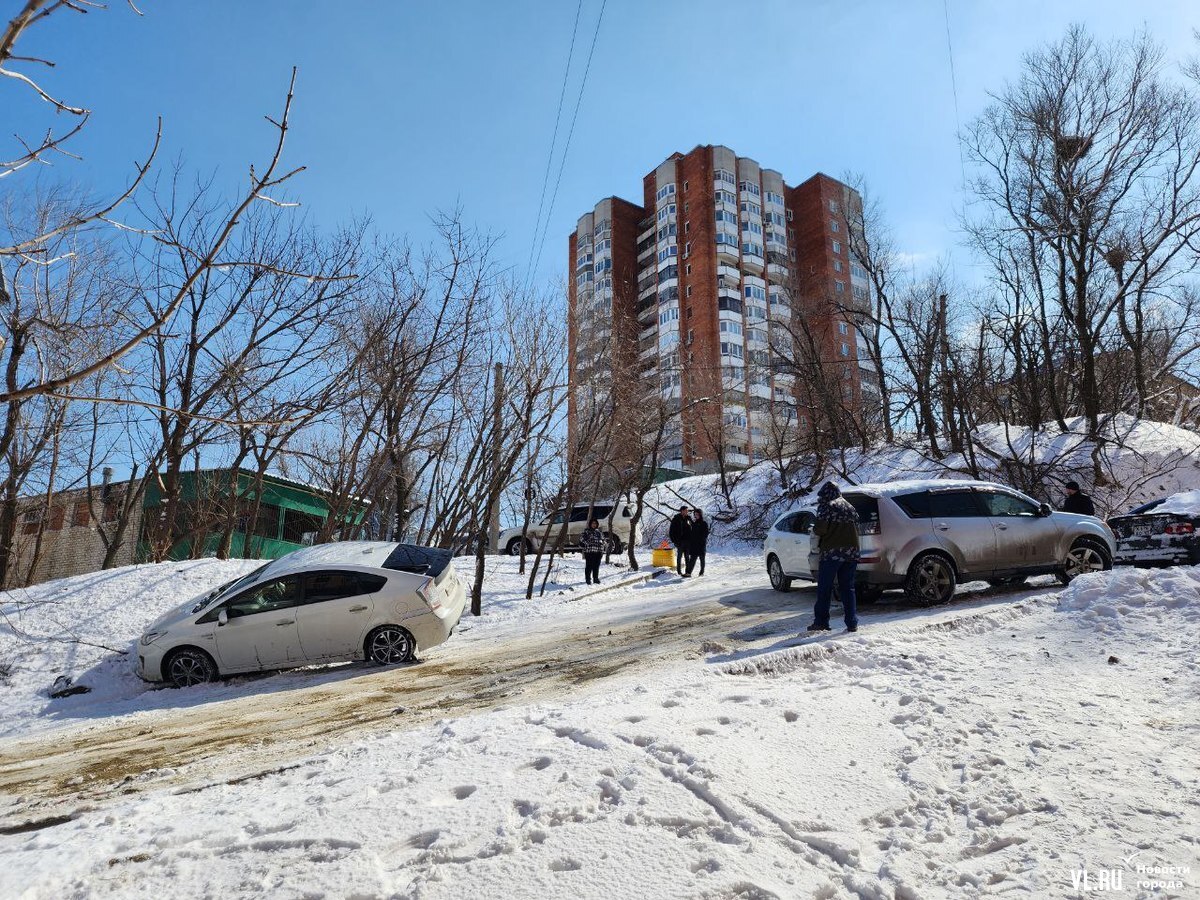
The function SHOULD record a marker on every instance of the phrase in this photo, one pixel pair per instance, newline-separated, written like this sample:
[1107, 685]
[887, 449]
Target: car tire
[1008, 582]
[1086, 555]
[614, 543]
[514, 547]
[779, 581]
[931, 579]
[390, 645]
[188, 666]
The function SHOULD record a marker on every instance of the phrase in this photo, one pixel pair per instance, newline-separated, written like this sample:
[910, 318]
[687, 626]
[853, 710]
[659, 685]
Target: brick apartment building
[681, 295]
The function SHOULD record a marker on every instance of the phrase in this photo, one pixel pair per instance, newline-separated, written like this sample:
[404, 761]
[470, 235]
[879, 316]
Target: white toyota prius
[345, 601]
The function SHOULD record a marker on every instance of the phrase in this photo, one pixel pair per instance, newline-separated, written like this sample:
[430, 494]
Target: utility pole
[497, 430]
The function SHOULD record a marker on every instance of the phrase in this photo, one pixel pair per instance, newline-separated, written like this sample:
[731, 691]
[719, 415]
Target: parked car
[1163, 532]
[371, 600]
[929, 536]
[546, 531]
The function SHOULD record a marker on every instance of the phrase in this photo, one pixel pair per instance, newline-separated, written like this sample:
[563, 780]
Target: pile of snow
[86, 627]
[1146, 461]
[1114, 602]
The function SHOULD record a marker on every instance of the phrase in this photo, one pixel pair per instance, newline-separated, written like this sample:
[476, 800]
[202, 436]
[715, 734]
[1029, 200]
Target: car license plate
[1141, 531]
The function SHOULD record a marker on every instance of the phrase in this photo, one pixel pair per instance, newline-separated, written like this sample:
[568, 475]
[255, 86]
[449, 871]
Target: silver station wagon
[335, 602]
[929, 536]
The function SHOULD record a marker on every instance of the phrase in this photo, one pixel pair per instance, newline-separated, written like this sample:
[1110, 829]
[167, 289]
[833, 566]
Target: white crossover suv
[334, 602]
[929, 536]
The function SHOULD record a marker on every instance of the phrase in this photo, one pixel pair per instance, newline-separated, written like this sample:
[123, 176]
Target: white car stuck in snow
[371, 600]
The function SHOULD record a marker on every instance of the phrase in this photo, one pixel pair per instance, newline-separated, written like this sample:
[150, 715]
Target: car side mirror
[1044, 510]
[223, 617]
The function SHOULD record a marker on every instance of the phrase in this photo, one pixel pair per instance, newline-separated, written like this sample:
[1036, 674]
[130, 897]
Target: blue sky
[405, 108]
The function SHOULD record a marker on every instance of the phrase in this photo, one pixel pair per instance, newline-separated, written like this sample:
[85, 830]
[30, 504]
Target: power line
[571, 131]
[537, 222]
[954, 90]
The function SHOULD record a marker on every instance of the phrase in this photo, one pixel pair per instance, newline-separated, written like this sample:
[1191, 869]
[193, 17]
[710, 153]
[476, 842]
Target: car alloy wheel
[390, 645]
[189, 667]
[1083, 558]
[514, 547]
[932, 580]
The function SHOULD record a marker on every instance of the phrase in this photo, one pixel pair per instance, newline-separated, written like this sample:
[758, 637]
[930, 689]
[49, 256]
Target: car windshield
[229, 586]
[1147, 507]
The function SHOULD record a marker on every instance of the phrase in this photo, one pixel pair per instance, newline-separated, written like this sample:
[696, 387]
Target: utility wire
[954, 91]
[571, 131]
[537, 222]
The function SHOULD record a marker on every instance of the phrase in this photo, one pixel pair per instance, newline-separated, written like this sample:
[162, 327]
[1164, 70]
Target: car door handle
[288, 622]
[357, 608]
[1000, 526]
[942, 526]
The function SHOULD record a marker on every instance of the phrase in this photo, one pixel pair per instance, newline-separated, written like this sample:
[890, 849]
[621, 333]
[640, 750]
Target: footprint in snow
[464, 791]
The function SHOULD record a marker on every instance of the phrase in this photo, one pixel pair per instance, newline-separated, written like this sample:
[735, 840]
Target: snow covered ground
[668, 739]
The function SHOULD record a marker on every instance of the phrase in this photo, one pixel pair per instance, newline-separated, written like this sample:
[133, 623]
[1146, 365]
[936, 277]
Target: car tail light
[869, 527]
[1180, 528]
[425, 592]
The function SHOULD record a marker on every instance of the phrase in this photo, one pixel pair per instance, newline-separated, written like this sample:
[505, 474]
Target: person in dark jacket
[681, 537]
[699, 540]
[1077, 501]
[836, 529]
[592, 543]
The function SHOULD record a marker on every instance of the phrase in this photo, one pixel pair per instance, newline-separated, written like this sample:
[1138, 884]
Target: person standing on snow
[592, 543]
[837, 531]
[699, 540]
[1077, 501]
[681, 537]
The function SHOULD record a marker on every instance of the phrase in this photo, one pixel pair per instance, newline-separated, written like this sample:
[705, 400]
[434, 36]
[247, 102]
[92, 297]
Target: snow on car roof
[345, 553]
[1185, 503]
[891, 488]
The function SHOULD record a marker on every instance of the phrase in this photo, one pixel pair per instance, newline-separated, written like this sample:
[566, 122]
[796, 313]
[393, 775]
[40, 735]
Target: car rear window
[866, 507]
[430, 561]
[915, 506]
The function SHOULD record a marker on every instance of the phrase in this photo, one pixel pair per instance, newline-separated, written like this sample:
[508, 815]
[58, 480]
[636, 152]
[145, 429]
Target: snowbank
[1156, 460]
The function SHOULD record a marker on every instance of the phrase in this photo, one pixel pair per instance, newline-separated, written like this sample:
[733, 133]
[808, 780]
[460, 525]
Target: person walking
[681, 537]
[592, 543]
[1077, 501]
[836, 529]
[699, 540]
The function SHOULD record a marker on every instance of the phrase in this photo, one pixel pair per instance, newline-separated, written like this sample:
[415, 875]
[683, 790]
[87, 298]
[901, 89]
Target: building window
[687, 270]
[789, 215]
[687, 227]
[837, 265]
[750, 188]
[843, 328]
[689, 291]
[726, 176]
[691, 335]
[667, 190]
[833, 225]
[792, 254]
[840, 287]
[685, 209]
[845, 349]
[837, 245]
[833, 206]
[687, 249]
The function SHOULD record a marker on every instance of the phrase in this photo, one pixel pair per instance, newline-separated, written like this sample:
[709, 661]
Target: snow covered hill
[1154, 459]
[1001, 746]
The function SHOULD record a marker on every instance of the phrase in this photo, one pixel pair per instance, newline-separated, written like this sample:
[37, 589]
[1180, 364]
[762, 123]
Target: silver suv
[929, 536]
[546, 531]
